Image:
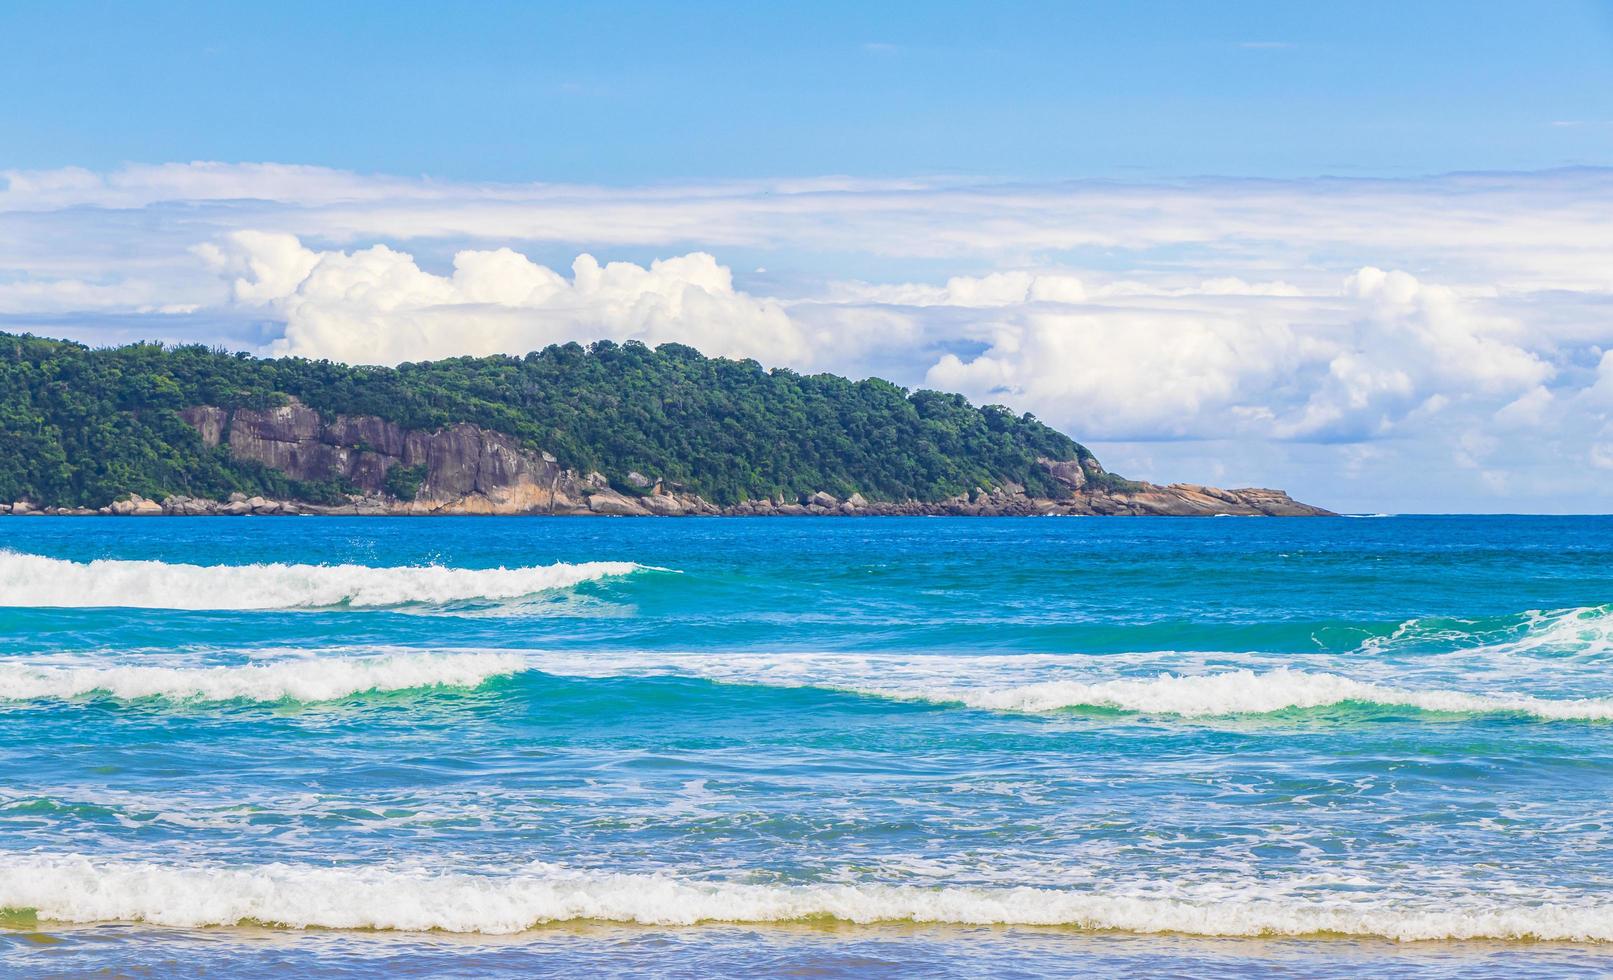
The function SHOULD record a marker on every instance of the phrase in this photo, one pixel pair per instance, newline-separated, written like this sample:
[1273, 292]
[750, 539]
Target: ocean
[826, 747]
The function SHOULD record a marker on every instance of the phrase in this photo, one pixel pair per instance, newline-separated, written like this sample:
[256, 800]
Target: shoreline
[722, 515]
[1178, 500]
[371, 467]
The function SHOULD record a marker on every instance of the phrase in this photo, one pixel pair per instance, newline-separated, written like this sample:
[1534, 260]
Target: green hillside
[81, 426]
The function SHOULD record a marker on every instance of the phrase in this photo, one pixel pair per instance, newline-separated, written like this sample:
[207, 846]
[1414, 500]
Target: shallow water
[972, 746]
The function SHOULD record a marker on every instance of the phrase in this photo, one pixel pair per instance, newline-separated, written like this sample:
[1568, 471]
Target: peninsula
[607, 429]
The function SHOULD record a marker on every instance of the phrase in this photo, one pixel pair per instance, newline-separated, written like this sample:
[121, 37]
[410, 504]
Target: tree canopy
[80, 426]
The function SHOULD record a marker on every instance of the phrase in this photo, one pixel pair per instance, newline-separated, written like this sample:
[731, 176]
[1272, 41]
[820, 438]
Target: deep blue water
[847, 747]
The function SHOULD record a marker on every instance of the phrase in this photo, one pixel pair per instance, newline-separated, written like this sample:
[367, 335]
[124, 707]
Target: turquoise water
[845, 747]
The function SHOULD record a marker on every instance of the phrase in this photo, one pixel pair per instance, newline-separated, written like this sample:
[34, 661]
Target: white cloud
[1599, 394]
[1233, 286]
[263, 266]
[1522, 231]
[377, 306]
[1125, 373]
[1362, 326]
[72, 295]
[1528, 410]
[1408, 342]
[1473, 448]
[974, 292]
[140, 185]
[1452, 339]
[1347, 366]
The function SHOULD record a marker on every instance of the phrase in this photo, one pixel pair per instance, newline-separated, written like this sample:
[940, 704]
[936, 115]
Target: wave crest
[1247, 692]
[941, 680]
[987, 683]
[37, 581]
[81, 891]
[1577, 632]
[310, 679]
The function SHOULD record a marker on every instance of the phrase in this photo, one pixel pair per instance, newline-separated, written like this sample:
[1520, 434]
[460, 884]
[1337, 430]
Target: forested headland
[81, 426]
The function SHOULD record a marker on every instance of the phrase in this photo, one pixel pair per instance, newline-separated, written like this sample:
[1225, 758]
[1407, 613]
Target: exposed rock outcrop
[1090, 496]
[465, 469]
[136, 506]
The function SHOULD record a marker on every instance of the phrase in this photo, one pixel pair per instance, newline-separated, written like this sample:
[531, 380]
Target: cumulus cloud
[1127, 373]
[1409, 342]
[377, 306]
[1345, 366]
[262, 267]
[1452, 338]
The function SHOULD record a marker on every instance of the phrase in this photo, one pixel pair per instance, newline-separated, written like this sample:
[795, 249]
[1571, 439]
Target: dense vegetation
[80, 426]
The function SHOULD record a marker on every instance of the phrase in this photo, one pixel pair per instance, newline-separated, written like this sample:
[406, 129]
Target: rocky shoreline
[466, 470]
[1176, 500]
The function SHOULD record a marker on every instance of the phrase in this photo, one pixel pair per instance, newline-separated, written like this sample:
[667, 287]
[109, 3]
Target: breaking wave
[970, 682]
[35, 580]
[1247, 692]
[309, 679]
[1582, 632]
[981, 683]
[77, 890]
[1227, 693]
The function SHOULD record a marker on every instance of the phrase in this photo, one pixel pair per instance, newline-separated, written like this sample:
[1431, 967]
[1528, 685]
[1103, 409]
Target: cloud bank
[1327, 334]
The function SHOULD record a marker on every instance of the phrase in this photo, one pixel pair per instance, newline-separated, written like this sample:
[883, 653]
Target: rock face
[136, 506]
[1188, 500]
[1088, 497]
[465, 469]
[480, 471]
[1073, 473]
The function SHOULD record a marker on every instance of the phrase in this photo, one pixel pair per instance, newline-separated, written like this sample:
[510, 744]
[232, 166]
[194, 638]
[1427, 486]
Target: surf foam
[305, 679]
[1247, 692]
[35, 580]
[984, 682]
[78, 890]
[1575, 633]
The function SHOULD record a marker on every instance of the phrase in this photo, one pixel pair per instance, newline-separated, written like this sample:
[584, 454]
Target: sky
[1362, 252]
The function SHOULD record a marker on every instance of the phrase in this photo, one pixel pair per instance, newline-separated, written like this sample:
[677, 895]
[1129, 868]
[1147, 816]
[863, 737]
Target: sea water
[838, 747]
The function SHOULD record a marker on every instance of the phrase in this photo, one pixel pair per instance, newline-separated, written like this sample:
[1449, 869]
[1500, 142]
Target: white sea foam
[1580, 632]
[76, 889]
[1584, 631]
[1006, 683]
[35, 580]
[1032, 683]
[1245, 692]
[302, 679]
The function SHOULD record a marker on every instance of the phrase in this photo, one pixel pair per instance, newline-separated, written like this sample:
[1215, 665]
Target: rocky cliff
[461, 469]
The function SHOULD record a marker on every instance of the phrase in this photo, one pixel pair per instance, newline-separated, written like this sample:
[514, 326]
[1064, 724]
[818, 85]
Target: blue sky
[637, 92]
[1363, 252]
